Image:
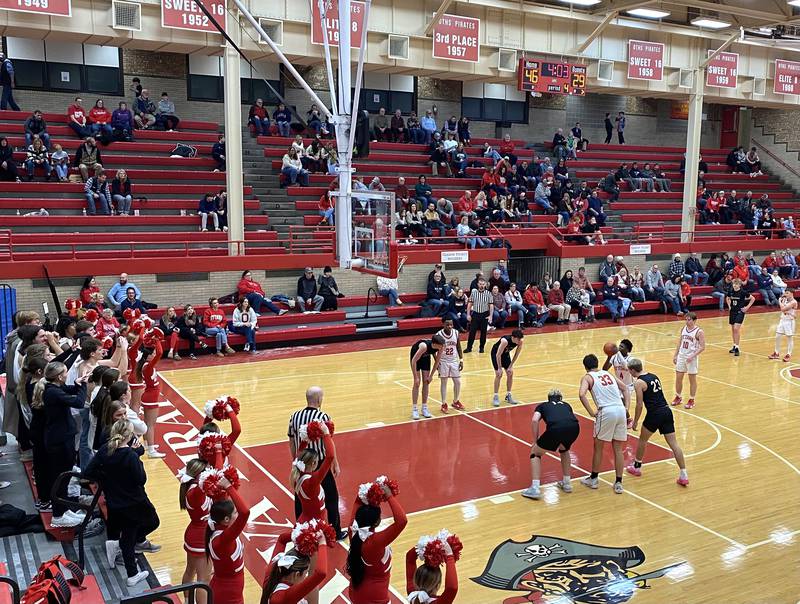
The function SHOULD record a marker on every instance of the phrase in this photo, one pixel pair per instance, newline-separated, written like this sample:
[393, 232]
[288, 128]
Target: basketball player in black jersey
[420, 357]
[562, 430]
[501, 360]
[739, 302]
[650, 394]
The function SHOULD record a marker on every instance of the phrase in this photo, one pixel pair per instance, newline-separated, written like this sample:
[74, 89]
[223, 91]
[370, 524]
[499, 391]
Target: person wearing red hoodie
[507, 149]
[216, 326]
[465, 206]
[100, 121]
[77, 120]
[534, 301]
[259, 118]
[252, 290]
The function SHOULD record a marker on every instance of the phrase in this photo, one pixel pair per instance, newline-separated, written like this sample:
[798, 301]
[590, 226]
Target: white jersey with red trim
[450, 348]
[620, 365]
[689, 340]
[605, 390]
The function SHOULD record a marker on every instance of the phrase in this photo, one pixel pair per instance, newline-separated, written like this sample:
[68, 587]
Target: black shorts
[555, 437]
[505, 360]
[660, 420]
[736, 317]
[424, 364]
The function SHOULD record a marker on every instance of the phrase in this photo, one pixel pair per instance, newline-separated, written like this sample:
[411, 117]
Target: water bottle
[136, 212]
[84, 211]
[17, 211]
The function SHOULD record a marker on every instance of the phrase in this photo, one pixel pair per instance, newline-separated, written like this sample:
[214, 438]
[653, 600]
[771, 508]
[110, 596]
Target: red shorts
[194, 539]
[229, 590]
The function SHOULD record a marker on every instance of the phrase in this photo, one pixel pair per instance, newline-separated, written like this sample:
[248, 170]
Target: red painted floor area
[449, 460]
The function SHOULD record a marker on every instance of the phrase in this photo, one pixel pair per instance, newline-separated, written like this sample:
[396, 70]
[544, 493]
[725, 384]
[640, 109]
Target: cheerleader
[306, 478]
[210, 426]
[369, 560]
[227, 519]
[146, 373]
[288, 580]
[137, 385]
[422, 583]
[193, 500]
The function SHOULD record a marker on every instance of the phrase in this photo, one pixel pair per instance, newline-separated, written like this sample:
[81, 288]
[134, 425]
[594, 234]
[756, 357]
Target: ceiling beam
[725, 45]
[623, 5]
[597, 31]
[437, 15]
[724, 8]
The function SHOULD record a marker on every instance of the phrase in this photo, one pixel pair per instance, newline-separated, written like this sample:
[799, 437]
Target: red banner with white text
[457, 38]
[722, 70]
[357, 12]
[645, 60]
[186, 14]
[60, 8]
[787, 77]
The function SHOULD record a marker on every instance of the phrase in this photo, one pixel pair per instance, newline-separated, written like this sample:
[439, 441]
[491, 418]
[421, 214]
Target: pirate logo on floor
[551, 569]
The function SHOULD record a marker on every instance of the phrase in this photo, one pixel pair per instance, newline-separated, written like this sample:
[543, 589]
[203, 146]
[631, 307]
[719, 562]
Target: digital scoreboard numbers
[551, 78]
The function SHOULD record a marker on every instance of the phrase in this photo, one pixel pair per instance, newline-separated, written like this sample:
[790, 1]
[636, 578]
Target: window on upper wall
[494, 103]
[389, 91]
[65, 66]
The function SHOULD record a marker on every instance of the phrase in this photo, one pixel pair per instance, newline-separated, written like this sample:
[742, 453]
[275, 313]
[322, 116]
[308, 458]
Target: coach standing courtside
[479, 313]
[312, 412]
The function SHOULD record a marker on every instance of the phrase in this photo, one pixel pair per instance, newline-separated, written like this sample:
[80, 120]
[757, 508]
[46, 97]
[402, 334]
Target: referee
[311, 413]
[479, 313]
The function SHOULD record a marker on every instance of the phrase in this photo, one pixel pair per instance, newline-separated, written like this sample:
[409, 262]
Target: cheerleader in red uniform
[146, 372]
[424, 582]
[229, 409]
[194, 501]
[288, 580]
[137, 385]
[227, 519]
[306, 478]
[369, 561]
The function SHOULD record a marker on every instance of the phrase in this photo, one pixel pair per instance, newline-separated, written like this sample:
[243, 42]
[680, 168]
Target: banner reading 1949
[185, 14]
[59, 8]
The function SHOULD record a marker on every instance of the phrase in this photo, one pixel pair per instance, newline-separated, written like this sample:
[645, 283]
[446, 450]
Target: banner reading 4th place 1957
[457, 38]
[186, 14]
[645, 60]
[60, 8]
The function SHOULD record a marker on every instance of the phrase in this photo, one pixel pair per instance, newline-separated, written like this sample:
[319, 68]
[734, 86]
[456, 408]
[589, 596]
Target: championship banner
[722, 70]
[186, 14]
[457, 39]
[357, 12]
[787, 77]
[58, 8]
[645, 60]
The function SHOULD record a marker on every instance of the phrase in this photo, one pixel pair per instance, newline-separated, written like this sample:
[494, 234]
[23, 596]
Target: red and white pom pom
[233, 403]
[147, 322]
[232, 474]
[152, 337]
[330, 425]
[392, 484]
[312, 431]
[72, 305]
[222, 408]
[131, 315]
[456, 546]
[209, 483]
[432, 551]
[371, 493]
[207, 445]
[108, 342]
[91, 315]
[307, 536]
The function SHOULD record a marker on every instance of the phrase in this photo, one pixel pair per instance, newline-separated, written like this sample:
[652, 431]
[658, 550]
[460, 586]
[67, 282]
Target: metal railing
[776, 158]
[89, 508]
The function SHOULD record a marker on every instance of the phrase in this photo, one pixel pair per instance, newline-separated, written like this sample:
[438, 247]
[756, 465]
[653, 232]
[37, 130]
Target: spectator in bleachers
[694, 271]
[592, 230]
[401, 194]
[398, 125]
[135, 88]
[636, 284]
[609, 128]
[293, 169]
[621, 123]
[428, 125]
[122, 123]
[423, 191]
[313, 156]
[37, 157]
[623, 173]
[500, 312]
[329, 289]
[168, 323]
[121, 193]
[595, 209]
[100, 121]
[376, 185]
[446, 213]
[722, 289]
[663, 183]
[380, 127]
[559, 144]
[314, 120]
[414, 220]
[98, 197]
[132, 302]
[299, 146]
[561, 172]
[778, 284]
[571, 146]
[245, 323]
[609, 185]
[118, 291]
[190, 328]
[764, 284]
[566, 280]
[218, 153]
[541, 196]
[498, 280]
[789, 229]
[215, 326]
[77, 120]
[734, 158]
[450, 145]
[577, 132]
[514, 303]
[654, 284]
[283, 120]
[88, 157]
[8, 82]
[613, 300]
[145, 110]
[676, 267]
[60, 162]
[165, 116]
[437, 296]
[8, 167]
[464, 134]
[308, 298]
[557, 303]
[713, 269]
[36, 125]
[259, 118]
[637, 175]
[465, 206]
[792, 268]
[221, 203]
[415, 132]
[565, 210]
[489, 151]
[767, 224]
[648, 177]
[466, 235]
[205, 208]
[90, 295]
[753, 163]
[507, 149]
[608, 268]
[432, 221]
[439, 159]
[331, 157]
[538, 312]
[450, 127]
[327, 206]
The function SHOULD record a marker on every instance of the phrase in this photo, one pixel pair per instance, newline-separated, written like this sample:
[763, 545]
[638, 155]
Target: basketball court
[717, 540]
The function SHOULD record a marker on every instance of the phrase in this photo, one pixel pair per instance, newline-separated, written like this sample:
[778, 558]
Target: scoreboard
[552, 78]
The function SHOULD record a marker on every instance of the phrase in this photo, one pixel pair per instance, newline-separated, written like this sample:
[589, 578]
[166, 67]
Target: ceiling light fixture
[794, 2]
[710, 23]
[581, 2]
[650, 13]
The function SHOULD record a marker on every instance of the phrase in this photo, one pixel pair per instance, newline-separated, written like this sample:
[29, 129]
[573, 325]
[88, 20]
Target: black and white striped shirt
[481, 300]
[309, 414]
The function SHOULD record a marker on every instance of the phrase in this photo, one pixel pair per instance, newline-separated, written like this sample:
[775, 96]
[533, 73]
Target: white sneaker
[511, 400]
[65, 521]
[532, 493]
[495, 401]
[564, 486]
[79, 514]
[425, 413]
[618, 488]
[589, 482]
[414, 414]
[4, 484]
[292, 302]
[247, 347]
[282, 312]
[112, 549]
[140, 576]
[153, 454]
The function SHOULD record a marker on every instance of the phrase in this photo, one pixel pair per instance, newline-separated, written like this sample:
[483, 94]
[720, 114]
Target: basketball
[610, 348]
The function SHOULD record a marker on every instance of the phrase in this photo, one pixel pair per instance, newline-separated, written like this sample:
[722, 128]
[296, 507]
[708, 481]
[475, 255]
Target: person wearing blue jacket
[205, 208]
[764, 284]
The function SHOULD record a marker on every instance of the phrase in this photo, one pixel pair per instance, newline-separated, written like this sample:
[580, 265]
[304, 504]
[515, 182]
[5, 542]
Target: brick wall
[196, 291]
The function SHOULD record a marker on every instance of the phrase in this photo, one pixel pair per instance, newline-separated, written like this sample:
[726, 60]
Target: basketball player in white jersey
[691, 344]
[611, 397]
[786, 325]
[450, 363]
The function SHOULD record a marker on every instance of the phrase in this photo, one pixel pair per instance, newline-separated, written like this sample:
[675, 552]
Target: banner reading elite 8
[185, 14]
[60, 8]
[645, 60]
[357, 11]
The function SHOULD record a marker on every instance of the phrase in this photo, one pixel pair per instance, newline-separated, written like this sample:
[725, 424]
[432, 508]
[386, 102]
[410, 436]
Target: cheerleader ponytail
[428, 579]
[280, 570]
[193, 469]
[307, 461]
[367, 516]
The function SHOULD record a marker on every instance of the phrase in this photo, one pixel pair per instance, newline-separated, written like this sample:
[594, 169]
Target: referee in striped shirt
[311, 413]
[479, 313]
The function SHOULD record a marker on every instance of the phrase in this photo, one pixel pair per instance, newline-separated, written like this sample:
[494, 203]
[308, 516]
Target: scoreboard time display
[552, 78]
